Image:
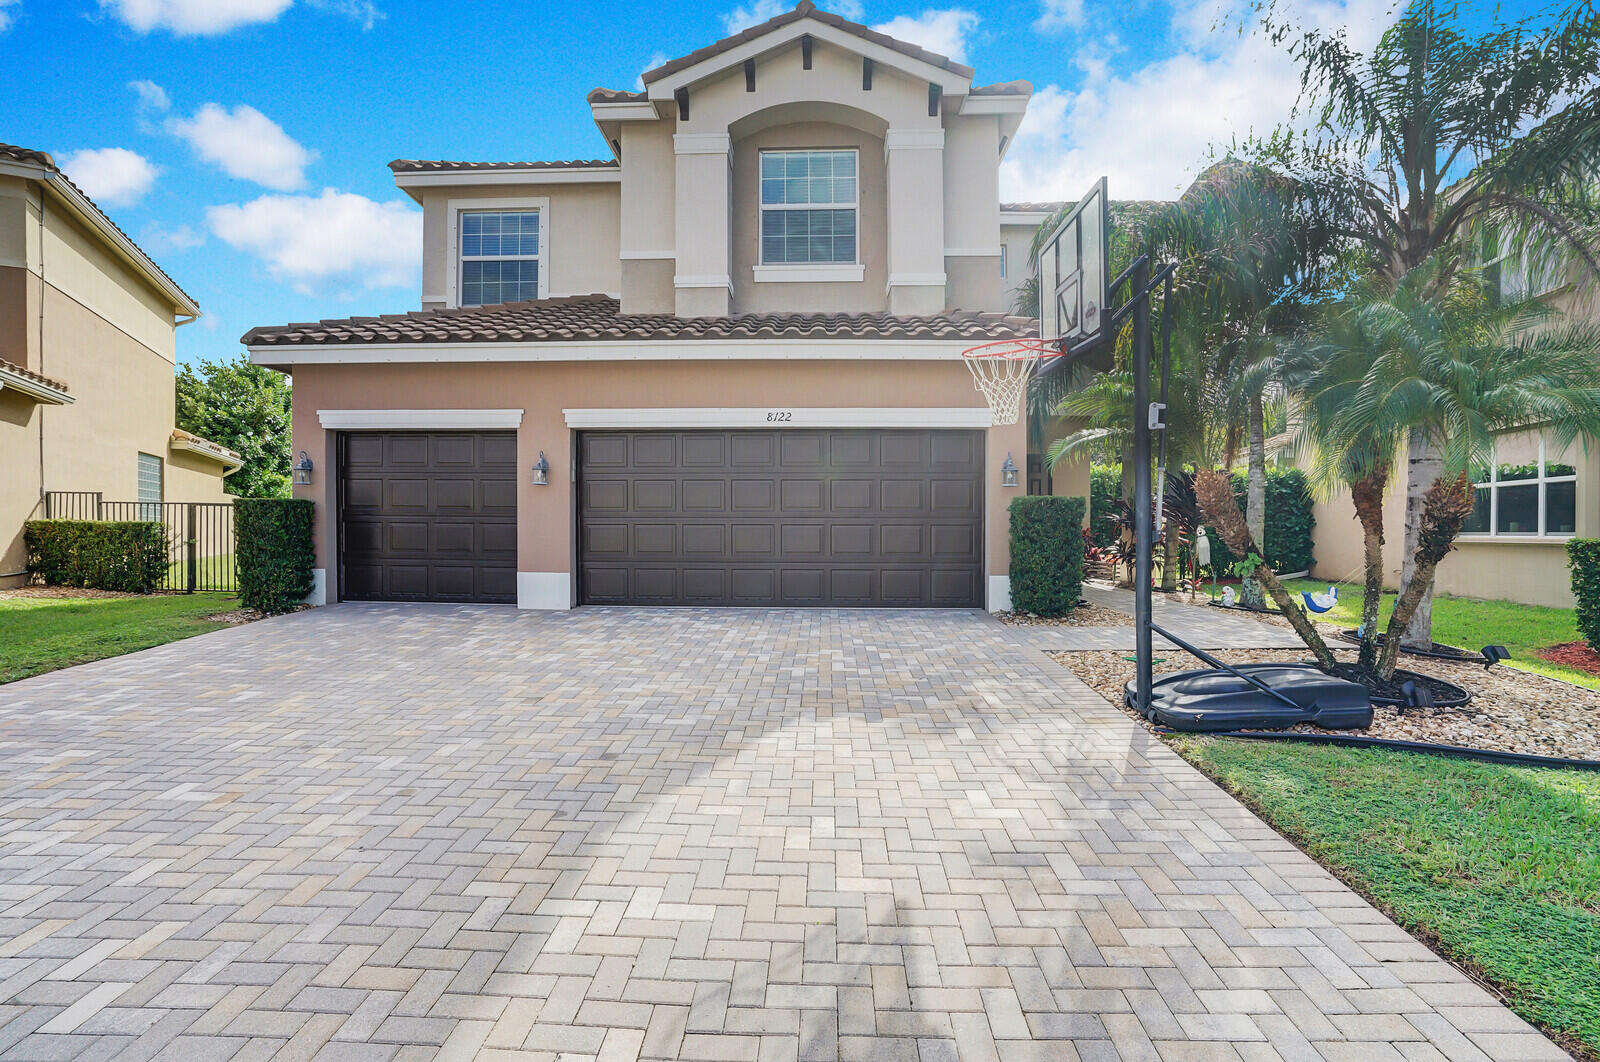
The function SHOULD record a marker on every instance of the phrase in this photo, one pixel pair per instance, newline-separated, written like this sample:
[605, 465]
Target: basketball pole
[1143, 518]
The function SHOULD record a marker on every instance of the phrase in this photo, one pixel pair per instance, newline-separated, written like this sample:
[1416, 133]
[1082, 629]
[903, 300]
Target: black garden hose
[1516, 759]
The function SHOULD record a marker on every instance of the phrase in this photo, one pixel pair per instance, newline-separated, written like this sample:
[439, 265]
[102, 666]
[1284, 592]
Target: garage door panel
[429, 516]
[782, 517]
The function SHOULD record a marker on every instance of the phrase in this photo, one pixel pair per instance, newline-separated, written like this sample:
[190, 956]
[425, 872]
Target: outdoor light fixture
[1008, 473]
[541, 471]
[302, 470]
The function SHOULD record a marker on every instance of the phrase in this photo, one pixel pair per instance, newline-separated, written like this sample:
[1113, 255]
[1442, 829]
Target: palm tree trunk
[1368, 497]
[1169, 561]
[1423, 466]
[1446, 507]
[1255, 498]
[1214, 491]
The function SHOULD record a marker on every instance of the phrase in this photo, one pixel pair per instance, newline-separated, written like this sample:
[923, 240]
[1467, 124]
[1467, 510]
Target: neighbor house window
[149, 487]
[500, 257]
[808, 207]
[1524, 494]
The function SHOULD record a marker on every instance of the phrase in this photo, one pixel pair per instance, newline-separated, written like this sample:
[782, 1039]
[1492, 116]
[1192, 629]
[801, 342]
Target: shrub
[1046, 554]
[1583, 557]
[1105, 491]
[126, 555]
[1289, 522]
[274, 551]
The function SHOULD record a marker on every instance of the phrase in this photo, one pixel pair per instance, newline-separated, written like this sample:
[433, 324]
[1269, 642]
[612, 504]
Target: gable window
[501, 255]
[808, 207]
[1524, 494]
[149, 487]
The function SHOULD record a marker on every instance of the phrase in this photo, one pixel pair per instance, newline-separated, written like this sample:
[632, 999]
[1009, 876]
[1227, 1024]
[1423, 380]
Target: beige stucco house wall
[656, 306]
[87, 353]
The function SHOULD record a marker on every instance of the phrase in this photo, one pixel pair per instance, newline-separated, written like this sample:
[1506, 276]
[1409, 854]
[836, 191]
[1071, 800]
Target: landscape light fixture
[302, 470]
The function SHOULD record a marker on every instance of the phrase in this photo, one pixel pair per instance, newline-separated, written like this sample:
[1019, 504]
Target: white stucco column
[702, 282]
[914, 159]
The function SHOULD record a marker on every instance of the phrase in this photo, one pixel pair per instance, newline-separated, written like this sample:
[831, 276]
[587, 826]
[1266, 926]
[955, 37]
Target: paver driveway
[373, 832]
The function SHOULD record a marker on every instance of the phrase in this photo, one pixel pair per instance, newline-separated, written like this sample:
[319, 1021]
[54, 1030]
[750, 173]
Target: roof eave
[37, 390]
[193, 444]
[409, 179]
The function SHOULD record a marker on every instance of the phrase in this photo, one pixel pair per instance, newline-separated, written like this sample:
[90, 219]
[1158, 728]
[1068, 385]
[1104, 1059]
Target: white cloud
[247, 144]
[151, 95]
[336, 238]
[157, 238]
[945, 32]
[362, 11]
[1150, 129]
[7, 15]
[742, 18]
[1059, 14]
[655, 60]
[110, 176]
[193, 18]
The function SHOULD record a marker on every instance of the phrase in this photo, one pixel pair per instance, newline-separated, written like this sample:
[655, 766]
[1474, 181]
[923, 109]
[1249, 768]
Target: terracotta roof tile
[441, 165]
[605, 95]
[599, 318]
[805, 9]
[43, 158]
[13, 367]
[1050, 207]
[1004, 88]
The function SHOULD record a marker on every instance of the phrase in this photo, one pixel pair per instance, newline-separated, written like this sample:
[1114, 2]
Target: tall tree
[244, 407]
[1440, 136]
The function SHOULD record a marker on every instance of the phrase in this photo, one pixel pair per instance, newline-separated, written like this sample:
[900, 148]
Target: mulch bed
[239, 616]
[1085, 615]
[1572, 654]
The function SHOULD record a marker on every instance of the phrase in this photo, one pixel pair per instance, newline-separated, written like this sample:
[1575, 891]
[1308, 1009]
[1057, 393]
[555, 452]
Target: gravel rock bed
[63, 592]
[1085, 615]
[1510, 711]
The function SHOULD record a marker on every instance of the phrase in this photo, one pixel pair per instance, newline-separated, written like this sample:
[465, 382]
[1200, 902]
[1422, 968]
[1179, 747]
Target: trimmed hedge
[1105, 490]
[1046, 554]
[274, 552]
[125, 555]
[1583, 557]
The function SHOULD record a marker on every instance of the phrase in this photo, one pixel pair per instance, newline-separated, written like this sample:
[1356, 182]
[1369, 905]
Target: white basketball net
[1002, 373]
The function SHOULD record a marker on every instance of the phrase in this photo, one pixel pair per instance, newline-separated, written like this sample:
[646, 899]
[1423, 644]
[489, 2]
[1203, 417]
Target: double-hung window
[809, 207]
[500, 255]
[1525, 492]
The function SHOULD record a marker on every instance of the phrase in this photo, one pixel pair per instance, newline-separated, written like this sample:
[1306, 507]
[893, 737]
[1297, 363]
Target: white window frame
[807, 272]
[519, 205]
[1494, 483]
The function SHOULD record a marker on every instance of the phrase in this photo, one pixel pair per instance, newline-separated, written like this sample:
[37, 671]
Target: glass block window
[499, 256]
[808, 207]
[149, 487]
[1524, 494]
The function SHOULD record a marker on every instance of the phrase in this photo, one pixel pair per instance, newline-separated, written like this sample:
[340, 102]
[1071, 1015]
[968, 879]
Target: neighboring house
[1530, 501]
[722, 366]
[87, 350]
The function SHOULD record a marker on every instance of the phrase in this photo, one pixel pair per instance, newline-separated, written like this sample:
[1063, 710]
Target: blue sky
[244, 143]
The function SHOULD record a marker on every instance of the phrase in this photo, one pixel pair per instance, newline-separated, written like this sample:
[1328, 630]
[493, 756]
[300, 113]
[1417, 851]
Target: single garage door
[429, 516]
[787, 517]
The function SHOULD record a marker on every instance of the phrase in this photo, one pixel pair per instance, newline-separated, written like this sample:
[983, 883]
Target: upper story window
[808, 207]
[1524, 494]
[500, 255]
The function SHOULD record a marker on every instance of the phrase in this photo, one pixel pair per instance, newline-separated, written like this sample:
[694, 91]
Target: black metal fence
[199, 534]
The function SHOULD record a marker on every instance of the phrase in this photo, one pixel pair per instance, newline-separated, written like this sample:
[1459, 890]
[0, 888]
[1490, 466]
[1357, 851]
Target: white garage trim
[784, 417]
[551, 591]
[999, 593]
[424, 419]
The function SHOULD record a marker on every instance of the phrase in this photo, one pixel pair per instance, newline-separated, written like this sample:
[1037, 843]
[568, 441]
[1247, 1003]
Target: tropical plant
[1444, 360]
[1441, 138]
[244, 407]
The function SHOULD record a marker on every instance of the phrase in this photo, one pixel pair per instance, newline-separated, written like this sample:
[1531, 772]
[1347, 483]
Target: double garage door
[789, 517]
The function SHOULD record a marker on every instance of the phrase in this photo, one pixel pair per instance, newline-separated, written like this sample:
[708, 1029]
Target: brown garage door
[429, 516]
[789, 517]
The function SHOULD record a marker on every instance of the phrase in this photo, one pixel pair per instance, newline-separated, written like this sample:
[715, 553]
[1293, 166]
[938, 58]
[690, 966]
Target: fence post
[193, 542]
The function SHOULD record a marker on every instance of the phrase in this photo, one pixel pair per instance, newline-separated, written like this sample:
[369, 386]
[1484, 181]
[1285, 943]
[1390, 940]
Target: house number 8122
[779, 415]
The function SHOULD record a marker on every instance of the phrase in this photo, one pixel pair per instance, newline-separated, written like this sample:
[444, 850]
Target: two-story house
[88, 348]
[721, 366]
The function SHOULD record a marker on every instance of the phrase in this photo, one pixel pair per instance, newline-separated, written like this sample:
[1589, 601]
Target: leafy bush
[274, 551]
[1289, 523]
[1046, 554]
[125, 555]
[1105, 491]
[1583, 557]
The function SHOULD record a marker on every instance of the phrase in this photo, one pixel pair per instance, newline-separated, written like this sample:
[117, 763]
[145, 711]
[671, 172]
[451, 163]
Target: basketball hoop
[1002, 369]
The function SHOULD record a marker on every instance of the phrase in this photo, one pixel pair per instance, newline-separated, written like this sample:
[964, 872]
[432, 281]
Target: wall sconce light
[541, 471]
[1008, 473]
[302, 470]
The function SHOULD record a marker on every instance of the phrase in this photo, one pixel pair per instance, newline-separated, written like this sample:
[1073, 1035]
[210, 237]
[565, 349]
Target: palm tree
[1442, 359]
[1439, 137]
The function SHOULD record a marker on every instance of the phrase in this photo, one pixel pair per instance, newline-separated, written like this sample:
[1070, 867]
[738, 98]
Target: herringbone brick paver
[410, 832]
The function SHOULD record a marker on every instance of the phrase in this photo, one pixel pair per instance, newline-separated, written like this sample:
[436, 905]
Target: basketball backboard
[1073, 281]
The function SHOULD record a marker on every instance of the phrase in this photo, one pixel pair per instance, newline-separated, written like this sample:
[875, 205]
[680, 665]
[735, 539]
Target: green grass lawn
[1498, 867]
[217, 573]
[39, 634]
[1473, 623]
